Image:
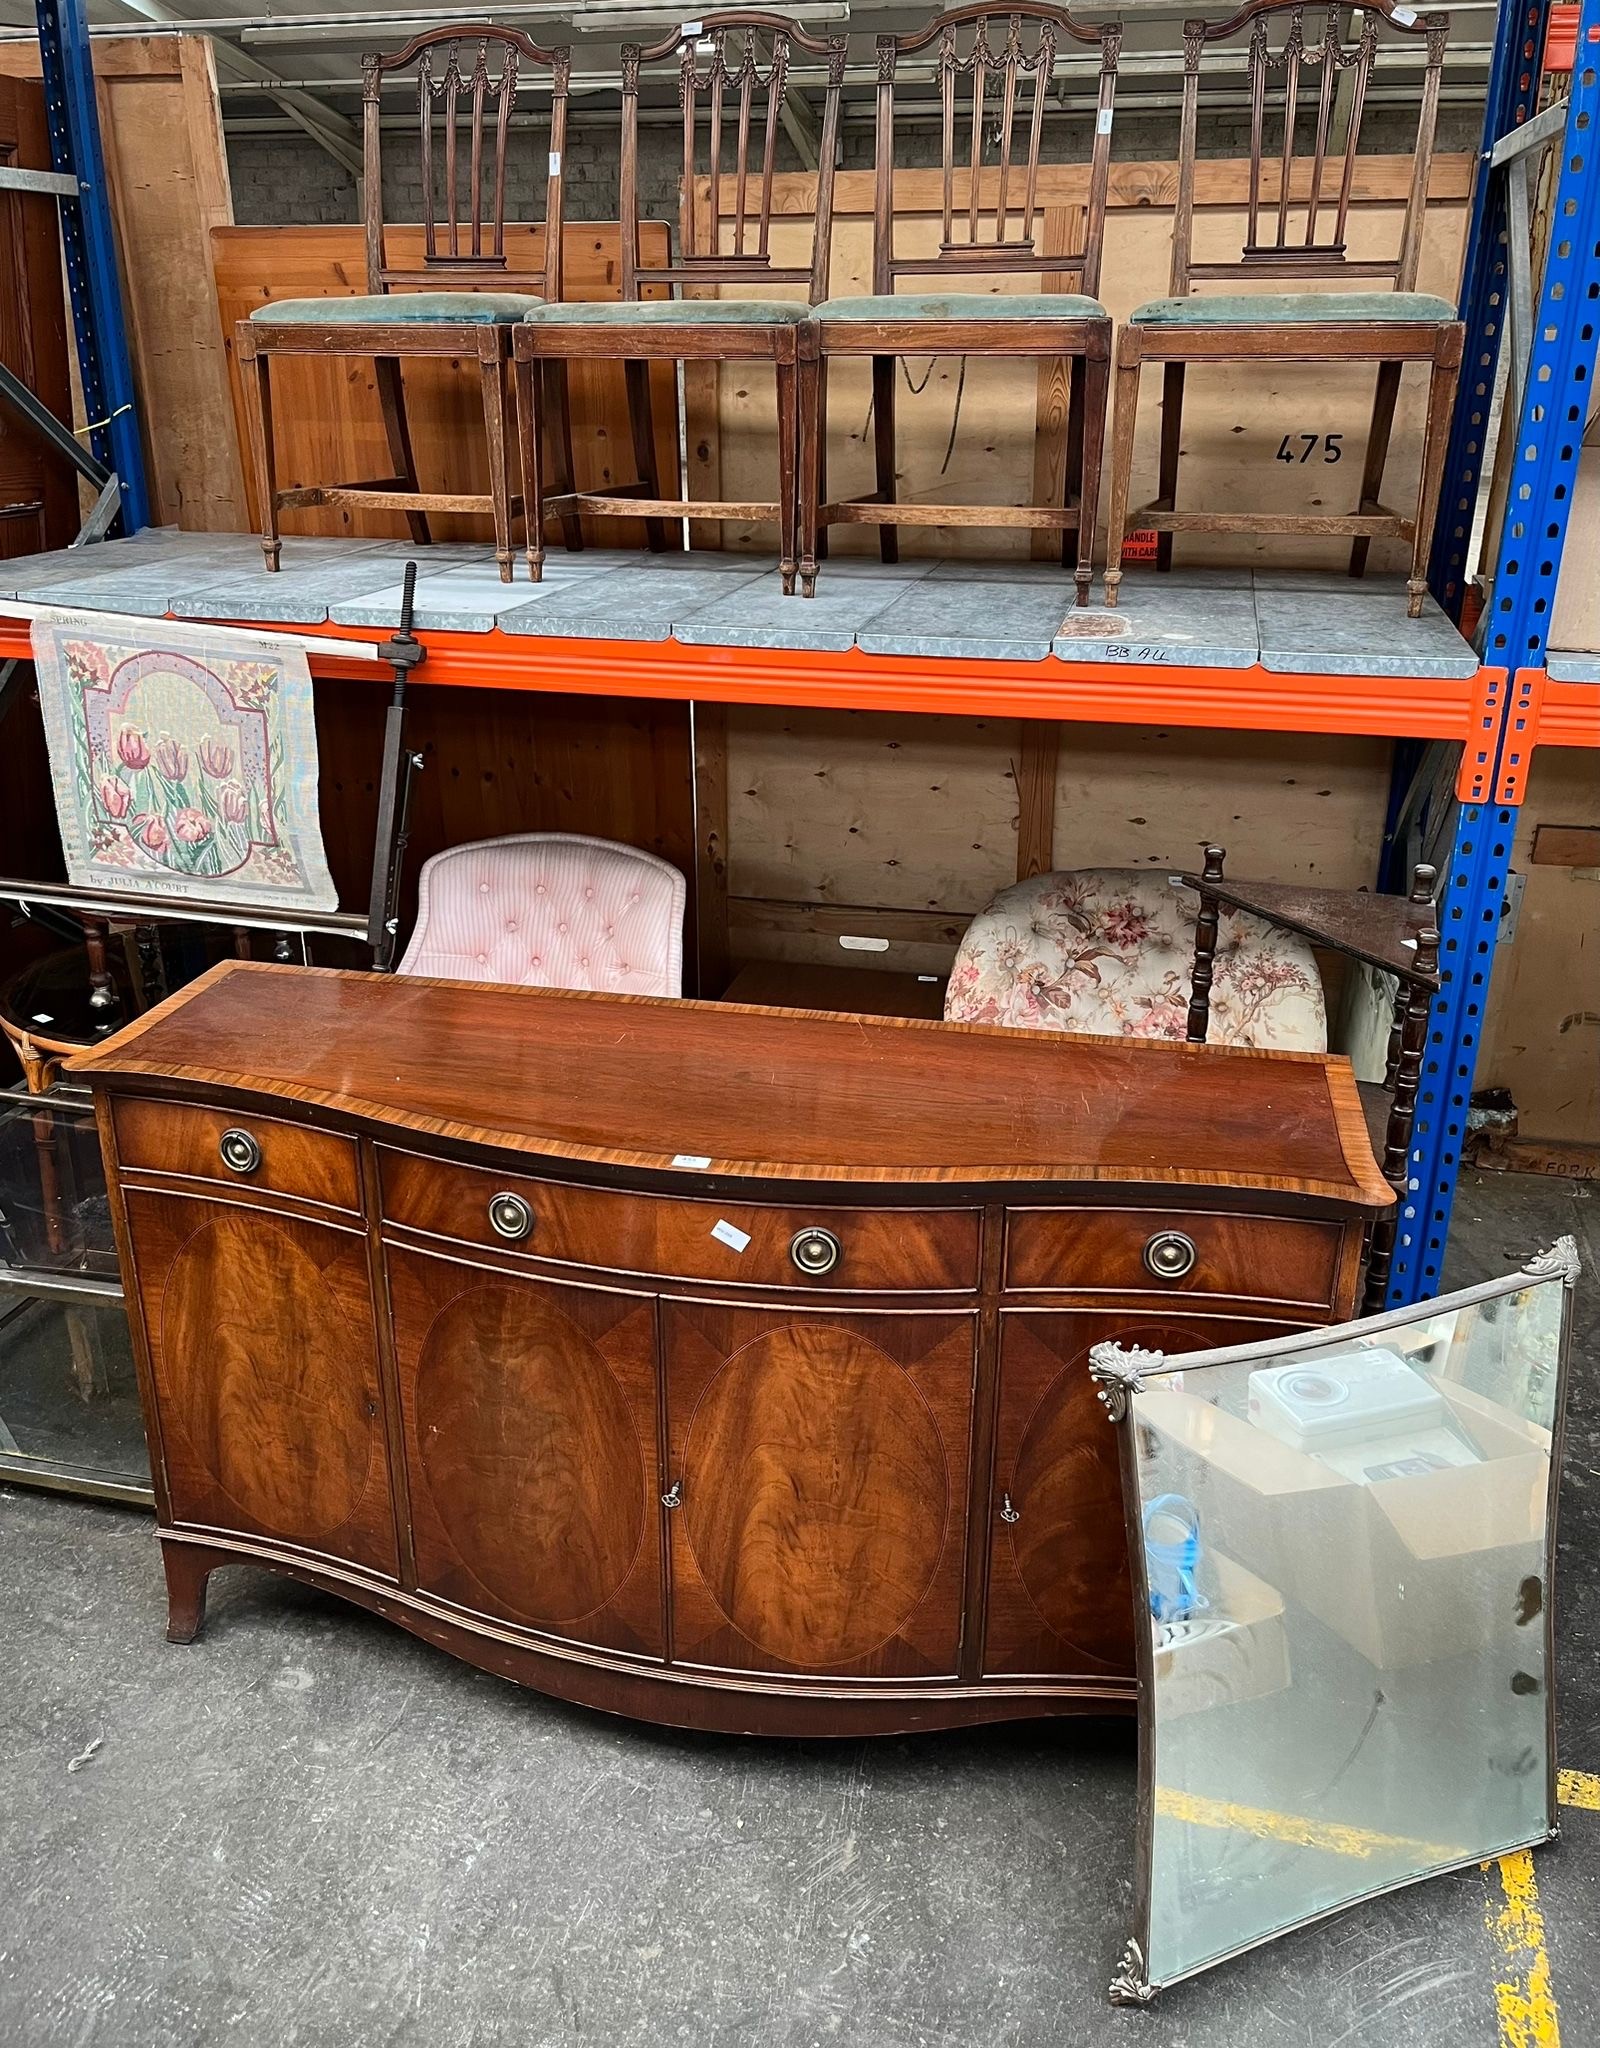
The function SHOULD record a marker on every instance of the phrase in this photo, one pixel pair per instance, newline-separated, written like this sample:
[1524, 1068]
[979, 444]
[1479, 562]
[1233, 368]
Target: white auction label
[1102, 121]
[691, 1158]
[730, 1234]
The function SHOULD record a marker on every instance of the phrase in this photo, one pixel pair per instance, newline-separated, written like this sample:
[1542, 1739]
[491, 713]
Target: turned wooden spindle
[103, 1003]
[1205, 949]
[1412, 1011]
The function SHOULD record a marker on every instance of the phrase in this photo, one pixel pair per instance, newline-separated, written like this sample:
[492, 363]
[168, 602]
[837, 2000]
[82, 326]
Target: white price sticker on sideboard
[730, 1234]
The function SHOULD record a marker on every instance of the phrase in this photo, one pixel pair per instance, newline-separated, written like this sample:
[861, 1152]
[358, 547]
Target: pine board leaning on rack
[329, 428]
[1011, 423]
[1541, 1035]
[161, 124]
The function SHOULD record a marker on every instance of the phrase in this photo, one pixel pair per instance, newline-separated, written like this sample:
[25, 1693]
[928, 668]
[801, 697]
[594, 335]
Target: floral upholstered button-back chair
[550, 910]
[1111, 951]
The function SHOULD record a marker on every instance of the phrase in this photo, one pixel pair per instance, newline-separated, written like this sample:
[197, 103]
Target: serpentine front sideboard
[720, 1366]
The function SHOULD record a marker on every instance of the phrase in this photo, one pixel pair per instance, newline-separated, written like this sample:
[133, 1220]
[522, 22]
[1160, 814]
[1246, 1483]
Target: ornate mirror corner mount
[1130, 1985]
[1557, 1260]
[1119, 1371]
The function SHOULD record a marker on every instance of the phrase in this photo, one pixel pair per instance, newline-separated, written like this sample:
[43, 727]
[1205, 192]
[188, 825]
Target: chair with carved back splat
[990, 215]
[1299, 213]
[1398, 935]
[458, 302]
[734, 78]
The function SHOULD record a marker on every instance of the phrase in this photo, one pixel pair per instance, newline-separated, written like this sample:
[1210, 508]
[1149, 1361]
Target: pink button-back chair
[550, 910]
[1111, 951]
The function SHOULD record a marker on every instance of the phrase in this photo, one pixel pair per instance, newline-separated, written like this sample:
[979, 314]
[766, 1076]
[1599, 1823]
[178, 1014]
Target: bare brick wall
[282, 180]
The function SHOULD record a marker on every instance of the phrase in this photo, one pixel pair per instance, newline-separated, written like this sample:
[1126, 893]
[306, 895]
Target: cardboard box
[1408, 1571]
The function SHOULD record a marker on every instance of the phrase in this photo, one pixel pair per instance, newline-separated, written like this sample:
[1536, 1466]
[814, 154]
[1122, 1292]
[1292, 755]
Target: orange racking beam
[1222, 699]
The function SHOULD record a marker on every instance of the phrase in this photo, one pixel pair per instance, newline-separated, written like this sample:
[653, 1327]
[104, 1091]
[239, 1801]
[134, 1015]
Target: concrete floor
[311, 1829]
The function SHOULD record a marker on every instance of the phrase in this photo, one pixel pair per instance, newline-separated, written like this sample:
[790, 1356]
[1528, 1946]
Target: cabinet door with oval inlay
[263, 1350]
[530, 1428]
[818, 1468]
[1060, 1603]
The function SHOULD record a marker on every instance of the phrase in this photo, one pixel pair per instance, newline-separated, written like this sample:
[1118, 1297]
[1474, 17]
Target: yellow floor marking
[1525, 1998]
[1268, 1825]
[1523, 1995]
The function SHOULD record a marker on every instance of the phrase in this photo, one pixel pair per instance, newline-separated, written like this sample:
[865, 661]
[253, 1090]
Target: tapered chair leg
[1096, 376]
[1377, 455]
[256, 384]
[820, 551]
[1442, 383]
[1171, 446]
[1072, 463]
[883, 381]
[1125, 418]
[530, 450]
[809, 480]
[397, 431]
[492, 385]
[641, 420]
[788, 472]
[555, 400]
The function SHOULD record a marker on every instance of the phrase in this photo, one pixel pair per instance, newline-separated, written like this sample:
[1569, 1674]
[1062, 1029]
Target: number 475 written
[1308, 444]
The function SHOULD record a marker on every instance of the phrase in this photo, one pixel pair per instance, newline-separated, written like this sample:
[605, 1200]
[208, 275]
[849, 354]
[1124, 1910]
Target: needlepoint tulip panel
[184, 760]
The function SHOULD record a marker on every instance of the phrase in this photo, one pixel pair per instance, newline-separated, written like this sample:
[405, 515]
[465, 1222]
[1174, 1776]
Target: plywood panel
[168, 176]
[983, 433]
[913, 823]
[329, 428]
[1541, 1036]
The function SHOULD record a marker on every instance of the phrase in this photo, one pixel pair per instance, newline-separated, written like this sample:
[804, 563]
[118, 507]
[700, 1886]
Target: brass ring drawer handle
[510, 1217]
[815, 1251]
[1170, 1255]
[240, 1152]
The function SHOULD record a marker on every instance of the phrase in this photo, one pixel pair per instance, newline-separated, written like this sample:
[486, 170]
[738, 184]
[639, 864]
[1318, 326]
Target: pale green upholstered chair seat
[1287, 309]
[935, 306]
[668, 313]
[401, 309]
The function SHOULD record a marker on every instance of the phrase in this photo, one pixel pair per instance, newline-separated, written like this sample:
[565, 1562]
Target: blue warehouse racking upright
[89, 248]
[1556, 399]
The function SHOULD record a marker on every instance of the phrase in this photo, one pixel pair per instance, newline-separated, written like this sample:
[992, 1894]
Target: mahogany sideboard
[721, 1366]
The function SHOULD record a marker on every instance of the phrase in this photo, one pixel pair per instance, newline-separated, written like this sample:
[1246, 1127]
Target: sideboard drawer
[238, 1150]
[742, 1243]
[1139, 1251]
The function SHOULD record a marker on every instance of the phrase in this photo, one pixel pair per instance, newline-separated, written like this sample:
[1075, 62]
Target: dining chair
[733, 75]
[457, 303]
[1001, 65]
[1396, 935]
[550, 910]
[1298, 229]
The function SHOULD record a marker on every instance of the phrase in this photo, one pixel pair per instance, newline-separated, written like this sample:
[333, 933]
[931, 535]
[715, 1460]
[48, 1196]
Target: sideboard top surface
[774, 1094]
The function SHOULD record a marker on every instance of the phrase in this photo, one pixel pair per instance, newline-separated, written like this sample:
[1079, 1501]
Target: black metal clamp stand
[403, 651]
